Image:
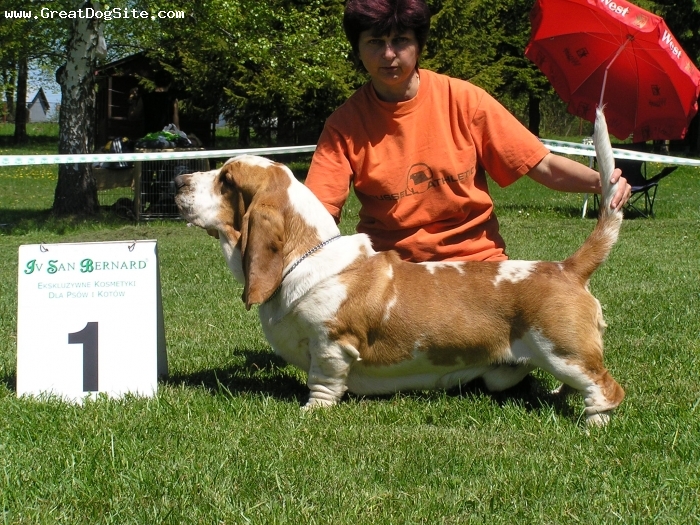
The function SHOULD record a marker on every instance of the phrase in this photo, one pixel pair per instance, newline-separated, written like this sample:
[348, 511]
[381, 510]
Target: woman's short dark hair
[385, 16]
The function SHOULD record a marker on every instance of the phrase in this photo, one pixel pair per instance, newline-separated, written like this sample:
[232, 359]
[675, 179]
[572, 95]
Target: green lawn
[224, 440]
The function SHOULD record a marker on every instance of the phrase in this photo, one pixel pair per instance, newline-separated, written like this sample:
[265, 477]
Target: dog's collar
[299, 261]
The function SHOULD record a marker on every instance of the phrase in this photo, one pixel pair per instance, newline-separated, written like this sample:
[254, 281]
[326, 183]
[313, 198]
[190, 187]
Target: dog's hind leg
[583, 370]
[601, 396]
[328, 373]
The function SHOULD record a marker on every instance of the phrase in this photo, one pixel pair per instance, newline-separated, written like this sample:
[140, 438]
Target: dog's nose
[181, 180]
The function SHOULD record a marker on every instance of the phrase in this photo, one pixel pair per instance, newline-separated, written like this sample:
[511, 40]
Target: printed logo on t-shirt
[421, 179]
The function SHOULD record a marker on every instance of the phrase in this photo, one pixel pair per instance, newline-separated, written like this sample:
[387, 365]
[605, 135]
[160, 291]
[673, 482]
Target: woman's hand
[624, 190]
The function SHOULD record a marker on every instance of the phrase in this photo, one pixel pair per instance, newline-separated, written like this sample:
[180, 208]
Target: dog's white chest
[291, 329]
[290, 340]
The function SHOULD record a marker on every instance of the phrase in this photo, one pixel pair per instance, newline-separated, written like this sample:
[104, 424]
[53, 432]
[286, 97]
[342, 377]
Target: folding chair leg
[651, 197]
[635, 204]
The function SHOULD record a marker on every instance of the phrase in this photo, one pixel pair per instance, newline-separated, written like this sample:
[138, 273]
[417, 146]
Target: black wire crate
[156, 195]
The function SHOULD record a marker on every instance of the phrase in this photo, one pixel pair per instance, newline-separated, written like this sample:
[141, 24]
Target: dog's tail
[600, 242]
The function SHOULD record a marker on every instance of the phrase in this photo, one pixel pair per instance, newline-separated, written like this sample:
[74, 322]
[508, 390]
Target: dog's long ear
[262, 246]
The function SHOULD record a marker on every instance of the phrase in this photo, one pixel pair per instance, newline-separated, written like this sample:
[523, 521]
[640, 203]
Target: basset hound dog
[367, 322]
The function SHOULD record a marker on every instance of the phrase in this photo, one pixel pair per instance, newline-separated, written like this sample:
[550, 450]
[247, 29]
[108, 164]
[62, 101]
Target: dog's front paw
[598, 420]
[315, 402]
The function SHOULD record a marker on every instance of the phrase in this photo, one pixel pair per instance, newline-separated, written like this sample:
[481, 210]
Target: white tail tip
[606, 161]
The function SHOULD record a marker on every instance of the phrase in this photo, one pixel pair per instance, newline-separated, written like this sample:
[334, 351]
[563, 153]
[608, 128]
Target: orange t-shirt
[418, 168]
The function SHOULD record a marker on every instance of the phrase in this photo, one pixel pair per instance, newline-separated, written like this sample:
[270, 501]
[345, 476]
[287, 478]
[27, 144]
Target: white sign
[89, 320]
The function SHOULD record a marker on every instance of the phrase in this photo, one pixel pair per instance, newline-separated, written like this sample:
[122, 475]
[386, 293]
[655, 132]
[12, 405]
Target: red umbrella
[609, 52]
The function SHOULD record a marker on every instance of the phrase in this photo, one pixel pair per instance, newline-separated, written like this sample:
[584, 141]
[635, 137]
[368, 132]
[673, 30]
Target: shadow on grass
[33, 141]
[262, 373]
[10, 218]
[532, 394]
[23, 221]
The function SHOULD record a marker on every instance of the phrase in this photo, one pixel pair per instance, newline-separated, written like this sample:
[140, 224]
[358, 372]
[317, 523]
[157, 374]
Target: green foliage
[260, 61]
[483, 41]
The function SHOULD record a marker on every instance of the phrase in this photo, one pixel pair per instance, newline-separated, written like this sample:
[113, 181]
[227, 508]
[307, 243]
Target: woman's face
[389, 59]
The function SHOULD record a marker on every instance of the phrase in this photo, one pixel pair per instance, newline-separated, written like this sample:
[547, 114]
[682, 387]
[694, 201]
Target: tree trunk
[285, 129]
[534, 115]
[21, 113]
[243, 132]
[10, 79]
[76, 190]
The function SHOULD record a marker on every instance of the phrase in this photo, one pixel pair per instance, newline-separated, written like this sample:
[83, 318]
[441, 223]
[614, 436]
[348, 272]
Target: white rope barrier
[27, 160]
[556, 146]
[572, 148]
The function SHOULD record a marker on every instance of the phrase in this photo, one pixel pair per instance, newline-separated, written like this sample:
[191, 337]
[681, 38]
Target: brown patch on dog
[435, 312]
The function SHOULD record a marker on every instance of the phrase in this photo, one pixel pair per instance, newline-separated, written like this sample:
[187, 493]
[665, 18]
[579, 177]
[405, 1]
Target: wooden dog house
[125, 108]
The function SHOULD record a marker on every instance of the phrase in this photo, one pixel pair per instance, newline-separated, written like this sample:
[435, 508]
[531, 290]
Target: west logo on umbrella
[615, 7]
[668, 39]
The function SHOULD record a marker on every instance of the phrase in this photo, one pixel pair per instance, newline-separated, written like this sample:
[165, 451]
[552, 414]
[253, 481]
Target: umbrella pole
[605, 76]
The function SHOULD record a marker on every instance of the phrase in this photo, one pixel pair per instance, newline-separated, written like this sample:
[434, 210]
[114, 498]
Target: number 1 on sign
[88, 337]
